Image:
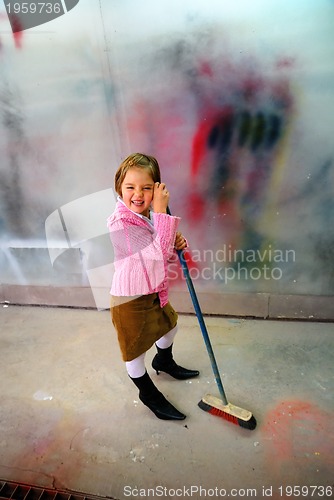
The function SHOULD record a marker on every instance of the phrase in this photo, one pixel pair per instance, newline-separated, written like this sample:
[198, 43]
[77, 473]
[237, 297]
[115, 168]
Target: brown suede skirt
[140, 322]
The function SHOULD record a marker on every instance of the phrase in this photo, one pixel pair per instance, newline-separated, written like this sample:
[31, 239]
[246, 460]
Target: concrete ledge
[48, 296]
[233, 304]
[313, 307]
[256, 305]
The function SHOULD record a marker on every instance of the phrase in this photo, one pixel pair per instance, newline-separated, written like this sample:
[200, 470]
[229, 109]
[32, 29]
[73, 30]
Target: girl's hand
[160, 198]
[180, 242]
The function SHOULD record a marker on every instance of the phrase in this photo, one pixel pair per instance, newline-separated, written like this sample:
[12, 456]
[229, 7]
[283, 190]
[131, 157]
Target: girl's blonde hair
[137, 160]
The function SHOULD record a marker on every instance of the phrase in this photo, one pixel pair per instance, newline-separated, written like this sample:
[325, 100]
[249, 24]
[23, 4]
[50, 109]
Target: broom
[219, 407]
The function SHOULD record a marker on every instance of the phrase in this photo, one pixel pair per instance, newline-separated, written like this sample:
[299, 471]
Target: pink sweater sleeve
[166, 226]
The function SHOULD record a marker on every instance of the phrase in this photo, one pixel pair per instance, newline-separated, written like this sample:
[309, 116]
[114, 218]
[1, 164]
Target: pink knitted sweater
[142, 248]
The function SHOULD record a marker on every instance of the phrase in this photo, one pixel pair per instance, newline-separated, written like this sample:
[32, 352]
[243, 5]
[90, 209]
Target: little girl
[144, 237]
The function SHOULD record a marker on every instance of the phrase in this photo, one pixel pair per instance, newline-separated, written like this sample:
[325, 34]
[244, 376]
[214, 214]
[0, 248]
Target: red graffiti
[286, 63]
[301, 432]
[18, 35]
[212, 119]
[205, 69]
[17, 30]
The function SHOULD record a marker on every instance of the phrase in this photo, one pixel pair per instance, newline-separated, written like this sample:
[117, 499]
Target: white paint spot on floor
[42, 396]
[136, 456]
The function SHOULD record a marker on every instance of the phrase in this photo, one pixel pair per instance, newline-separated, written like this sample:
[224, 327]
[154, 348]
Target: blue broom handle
[200, 318]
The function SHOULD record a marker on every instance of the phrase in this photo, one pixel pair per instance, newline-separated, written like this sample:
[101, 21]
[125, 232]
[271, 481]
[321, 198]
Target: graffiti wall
[235, 101]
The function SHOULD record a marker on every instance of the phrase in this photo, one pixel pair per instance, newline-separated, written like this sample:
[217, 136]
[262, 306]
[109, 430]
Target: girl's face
[137, 190]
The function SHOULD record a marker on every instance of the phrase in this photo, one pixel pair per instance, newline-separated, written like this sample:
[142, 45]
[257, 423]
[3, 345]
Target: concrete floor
[70, 417]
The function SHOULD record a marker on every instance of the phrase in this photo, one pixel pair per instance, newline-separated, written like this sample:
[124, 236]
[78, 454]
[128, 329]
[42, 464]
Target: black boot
[155, 400]
[163, 361]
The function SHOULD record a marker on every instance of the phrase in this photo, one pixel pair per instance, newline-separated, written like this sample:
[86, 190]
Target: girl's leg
[148, 393]
[167, 340]
[163, 360]
[136, 367]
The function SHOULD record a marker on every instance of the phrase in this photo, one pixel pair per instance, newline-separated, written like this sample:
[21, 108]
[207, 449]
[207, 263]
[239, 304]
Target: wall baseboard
[255, 305]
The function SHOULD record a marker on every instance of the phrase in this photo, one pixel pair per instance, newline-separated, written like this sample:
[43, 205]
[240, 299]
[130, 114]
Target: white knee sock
[136, 367]
[167, 340]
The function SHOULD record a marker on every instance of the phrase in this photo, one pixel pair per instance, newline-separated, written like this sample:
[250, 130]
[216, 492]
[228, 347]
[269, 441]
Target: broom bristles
[249, 424]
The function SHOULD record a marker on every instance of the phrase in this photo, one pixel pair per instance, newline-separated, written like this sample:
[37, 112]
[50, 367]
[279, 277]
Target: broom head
[230, 412]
